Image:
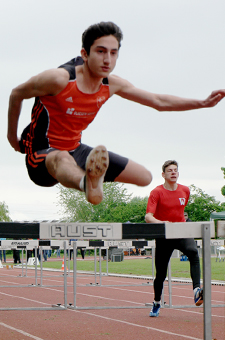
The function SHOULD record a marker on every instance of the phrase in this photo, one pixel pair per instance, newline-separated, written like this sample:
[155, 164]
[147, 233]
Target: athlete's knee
[136, 174]
[192, 255]
[63, 156]
[56, 159]
[147, 178]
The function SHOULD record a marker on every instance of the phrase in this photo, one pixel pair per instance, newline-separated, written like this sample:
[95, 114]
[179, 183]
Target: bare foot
[96, 165]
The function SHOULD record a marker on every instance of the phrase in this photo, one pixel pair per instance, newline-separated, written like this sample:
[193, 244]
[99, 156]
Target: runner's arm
[49, 82]
[149, 218]
[161, 102]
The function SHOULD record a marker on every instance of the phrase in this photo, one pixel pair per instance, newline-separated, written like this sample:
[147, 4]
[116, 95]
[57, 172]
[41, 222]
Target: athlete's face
[103, 56]
[171, 173]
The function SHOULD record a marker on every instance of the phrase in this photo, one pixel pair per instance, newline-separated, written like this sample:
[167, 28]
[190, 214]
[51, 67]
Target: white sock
[157, 302]
[81, 185]
[196, 289]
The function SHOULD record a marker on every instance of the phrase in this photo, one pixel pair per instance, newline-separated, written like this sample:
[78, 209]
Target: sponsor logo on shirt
[72, 111]
[70, 99]
[100, 101]
[182, 201]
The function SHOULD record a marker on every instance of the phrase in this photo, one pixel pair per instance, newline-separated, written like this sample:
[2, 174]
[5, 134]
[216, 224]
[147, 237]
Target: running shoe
[199, 297]
[96, 165]
[155, 309]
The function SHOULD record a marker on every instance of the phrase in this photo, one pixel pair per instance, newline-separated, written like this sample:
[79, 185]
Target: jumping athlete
[166, 203]
[67, 100]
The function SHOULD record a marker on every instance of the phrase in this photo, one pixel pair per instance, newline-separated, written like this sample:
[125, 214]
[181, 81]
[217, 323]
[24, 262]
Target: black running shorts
[39, 175]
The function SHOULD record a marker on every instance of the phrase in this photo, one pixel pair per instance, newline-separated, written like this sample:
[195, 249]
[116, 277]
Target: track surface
[173, 323]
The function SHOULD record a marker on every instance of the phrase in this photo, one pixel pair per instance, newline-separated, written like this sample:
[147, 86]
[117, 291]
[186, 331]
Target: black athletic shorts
[39, 175]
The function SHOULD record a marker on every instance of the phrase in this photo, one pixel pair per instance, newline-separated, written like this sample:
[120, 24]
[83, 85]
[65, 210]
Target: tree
[201, 205]
[117, 205]
[133, 211]
[76, 208]
[223, 188]
[4, 213]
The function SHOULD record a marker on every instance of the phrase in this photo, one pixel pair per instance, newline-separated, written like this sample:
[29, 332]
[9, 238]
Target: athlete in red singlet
[66, 100]
[166, 203]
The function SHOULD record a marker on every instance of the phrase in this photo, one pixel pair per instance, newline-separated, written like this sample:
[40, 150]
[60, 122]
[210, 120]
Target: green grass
[143, 267]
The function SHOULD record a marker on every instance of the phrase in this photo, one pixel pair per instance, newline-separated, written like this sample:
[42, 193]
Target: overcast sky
[173, 47]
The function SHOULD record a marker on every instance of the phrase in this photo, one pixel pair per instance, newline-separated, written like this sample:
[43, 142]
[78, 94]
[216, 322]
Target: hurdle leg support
[207, 281]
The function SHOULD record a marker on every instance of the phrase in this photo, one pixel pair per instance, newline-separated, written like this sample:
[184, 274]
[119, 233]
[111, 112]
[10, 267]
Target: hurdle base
[59, 306]
[92, 284]
[106, 307]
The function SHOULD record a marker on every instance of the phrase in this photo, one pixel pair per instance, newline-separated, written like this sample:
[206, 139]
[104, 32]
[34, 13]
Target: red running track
[172, 324]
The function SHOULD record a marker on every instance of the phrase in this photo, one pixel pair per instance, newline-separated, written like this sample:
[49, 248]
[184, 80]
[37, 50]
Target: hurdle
[25, 245]
[121, 231]
[53, 307]
[115, 244]
[20, 245]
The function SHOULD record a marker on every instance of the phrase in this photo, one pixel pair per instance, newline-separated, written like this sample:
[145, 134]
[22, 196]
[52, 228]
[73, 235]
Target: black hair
[99, 30]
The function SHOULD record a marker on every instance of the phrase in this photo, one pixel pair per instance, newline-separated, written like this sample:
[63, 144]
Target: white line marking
[103, 317]
[106, 298]
[139, 303]
[146, 327]
[191, 311]
[19, 331]
[165, 294]
[23, 298]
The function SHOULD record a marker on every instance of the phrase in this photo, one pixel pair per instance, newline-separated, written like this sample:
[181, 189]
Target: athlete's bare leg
[135, 173]
[62, 166]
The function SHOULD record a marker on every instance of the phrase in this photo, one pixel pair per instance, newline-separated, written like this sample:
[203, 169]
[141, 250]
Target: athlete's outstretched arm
[161, 102]
[49, 82]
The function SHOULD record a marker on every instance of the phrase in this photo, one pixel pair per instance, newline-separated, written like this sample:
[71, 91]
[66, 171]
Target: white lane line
[107, 318]
[103, 298]
[141, 326]
[23, 298]
[191, 311]
[19, 331]
[165, 294]
[106, 298]
[184, 310]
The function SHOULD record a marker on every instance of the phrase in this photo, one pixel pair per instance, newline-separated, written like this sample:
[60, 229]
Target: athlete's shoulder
[48, 82]
[157, 190]
[117, 84]
[184, 188]
[70, 66]
[116, 80]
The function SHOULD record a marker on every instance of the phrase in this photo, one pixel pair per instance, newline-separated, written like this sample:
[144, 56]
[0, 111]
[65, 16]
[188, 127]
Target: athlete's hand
[214, 98]
[14, 142]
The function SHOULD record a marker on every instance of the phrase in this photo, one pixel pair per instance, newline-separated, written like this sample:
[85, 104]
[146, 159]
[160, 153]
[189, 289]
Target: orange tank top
[58, 121]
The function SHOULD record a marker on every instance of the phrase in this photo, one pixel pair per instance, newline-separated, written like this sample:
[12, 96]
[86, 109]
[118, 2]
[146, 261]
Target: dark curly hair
[99, 30]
